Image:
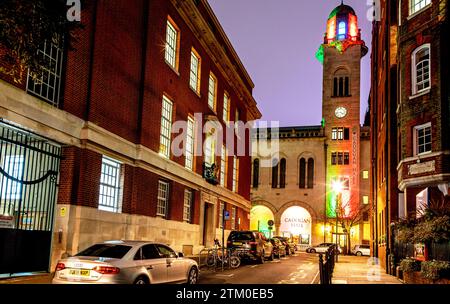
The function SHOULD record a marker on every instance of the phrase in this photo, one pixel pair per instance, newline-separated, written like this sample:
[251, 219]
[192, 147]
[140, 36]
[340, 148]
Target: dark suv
[252, 244]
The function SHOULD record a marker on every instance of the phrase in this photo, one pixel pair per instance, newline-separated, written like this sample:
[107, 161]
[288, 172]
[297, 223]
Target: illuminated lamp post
[337, 188]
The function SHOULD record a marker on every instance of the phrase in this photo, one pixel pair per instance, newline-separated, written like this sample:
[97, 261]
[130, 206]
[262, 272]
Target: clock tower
[341, 54]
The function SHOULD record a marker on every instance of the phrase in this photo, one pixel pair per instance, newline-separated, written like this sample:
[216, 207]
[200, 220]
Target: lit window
[210, 149]
[212, 92]
[223, 166]
[226, 108]
[365, 174]
[163, 198]
[417, 5]
[421, 69]
[48, 85]
[166, 127]
[422, 139]
[221, 209]
[109, 198]
[235, 173]
[365, 200]
[342, 30]
[171, 44]
[189, 161]
[13, 166]
[233, 218]
[188, 199]
[195, 71]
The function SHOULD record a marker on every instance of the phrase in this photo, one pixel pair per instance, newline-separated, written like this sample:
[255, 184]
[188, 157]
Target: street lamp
[337, 188]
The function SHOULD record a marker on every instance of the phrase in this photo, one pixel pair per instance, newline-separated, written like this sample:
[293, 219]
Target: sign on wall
[296, 220]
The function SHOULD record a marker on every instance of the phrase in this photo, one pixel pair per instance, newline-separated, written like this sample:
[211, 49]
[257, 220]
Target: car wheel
[262, 258]
[272, 256]
[312, 251]
[359, 253]
[193, 276]
[141, 281]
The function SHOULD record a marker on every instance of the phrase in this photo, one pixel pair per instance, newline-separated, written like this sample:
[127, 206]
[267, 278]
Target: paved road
[302, 268]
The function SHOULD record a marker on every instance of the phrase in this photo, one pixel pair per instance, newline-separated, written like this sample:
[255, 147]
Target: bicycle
[219, 256]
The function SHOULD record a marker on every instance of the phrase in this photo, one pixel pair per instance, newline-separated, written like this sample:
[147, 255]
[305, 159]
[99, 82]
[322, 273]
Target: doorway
[208, 224]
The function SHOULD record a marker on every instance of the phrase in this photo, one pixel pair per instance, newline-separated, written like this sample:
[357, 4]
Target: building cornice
[419, 158]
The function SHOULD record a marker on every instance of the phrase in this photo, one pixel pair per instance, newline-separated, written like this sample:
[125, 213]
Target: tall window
[172, 43]
[221, 209]
[188, 200]
[194, 80]
[302, 181]
[275, 173]
[233, 218]
[48, 85]
[223, 167]
[341, 86]
[422, 139]
[109, 194]
[13, 166]
[421, 76]
[255, 173]
[212, 92]
[283, 173]
[166, 127]
[340, 158]
[235, 174]
[189, 161]
[417, 5]
[210, 149]
[310, 173]
[163, 199]
[226, 108]
[342, 30]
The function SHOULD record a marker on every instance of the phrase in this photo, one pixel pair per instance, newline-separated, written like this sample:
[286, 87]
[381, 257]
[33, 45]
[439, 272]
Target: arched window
[255, 173]
[335, 87]
[310, 173]
[342, 30]
[341, 83]
[302, 181]
[341, 86]
[283, 173]
[275, 173]
[421, 74]
[346, 87]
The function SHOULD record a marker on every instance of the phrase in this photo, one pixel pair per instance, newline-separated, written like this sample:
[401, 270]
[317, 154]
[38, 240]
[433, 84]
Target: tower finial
[342, 2]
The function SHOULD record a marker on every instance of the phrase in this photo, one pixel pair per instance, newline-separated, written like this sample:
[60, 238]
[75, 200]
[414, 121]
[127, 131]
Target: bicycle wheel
[235, 262]
[211, 259]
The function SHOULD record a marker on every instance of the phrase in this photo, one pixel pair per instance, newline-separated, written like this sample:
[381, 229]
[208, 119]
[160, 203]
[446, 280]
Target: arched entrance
[296, 222]
[259, 217]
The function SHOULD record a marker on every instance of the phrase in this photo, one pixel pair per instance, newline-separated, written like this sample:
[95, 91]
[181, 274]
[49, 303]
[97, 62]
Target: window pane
[171, 44]
[109, 197]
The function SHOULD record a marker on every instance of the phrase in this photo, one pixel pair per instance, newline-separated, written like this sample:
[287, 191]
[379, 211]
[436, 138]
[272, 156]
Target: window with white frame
[221, 209]
[110, 186]
[365, 200]
[47, 85]
[189, 160]
[417, 5]
[235, 173]
[13, 166]
[171, 44]
[166, 127]
[421, 75]
[194, 79]
[233, 218]
[226, 108]
[340, 134]
[223, 166]
[188, 199]
[422, 139]
[163, 199]
[212, 92]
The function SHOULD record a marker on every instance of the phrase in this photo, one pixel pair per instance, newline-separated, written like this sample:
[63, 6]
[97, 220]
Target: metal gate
[29, 166]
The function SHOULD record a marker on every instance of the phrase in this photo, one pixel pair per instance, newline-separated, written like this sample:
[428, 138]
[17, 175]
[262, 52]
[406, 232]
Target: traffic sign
[270, 223]
[226, 215]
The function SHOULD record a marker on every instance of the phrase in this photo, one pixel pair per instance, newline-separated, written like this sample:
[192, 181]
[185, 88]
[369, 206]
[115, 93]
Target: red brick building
[108, 107]
[410, 113]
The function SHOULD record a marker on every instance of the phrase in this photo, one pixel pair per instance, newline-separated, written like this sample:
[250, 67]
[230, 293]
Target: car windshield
[242, 236]
[106, 251]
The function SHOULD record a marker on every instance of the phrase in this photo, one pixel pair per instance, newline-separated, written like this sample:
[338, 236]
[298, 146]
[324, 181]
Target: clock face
[340, 112]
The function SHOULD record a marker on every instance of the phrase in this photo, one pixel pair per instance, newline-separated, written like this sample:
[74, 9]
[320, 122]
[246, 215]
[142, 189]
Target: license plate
[237, 243]
[80, 272]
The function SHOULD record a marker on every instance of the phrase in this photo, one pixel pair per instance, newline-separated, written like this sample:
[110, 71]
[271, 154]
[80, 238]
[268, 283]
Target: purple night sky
[277, 41]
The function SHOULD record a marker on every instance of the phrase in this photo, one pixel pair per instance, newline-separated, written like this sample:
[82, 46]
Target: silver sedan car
[126, 262]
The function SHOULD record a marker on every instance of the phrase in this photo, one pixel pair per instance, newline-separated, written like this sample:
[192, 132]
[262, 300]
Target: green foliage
[410, 265]
[434, 229]
[24, 27]
[435, 270]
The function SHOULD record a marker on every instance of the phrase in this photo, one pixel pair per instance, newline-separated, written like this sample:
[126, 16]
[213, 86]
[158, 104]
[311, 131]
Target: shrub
[410, 265]
[435, 270]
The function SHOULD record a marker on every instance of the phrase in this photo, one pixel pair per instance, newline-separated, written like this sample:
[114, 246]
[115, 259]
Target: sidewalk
[359, 270]
[45, 278]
